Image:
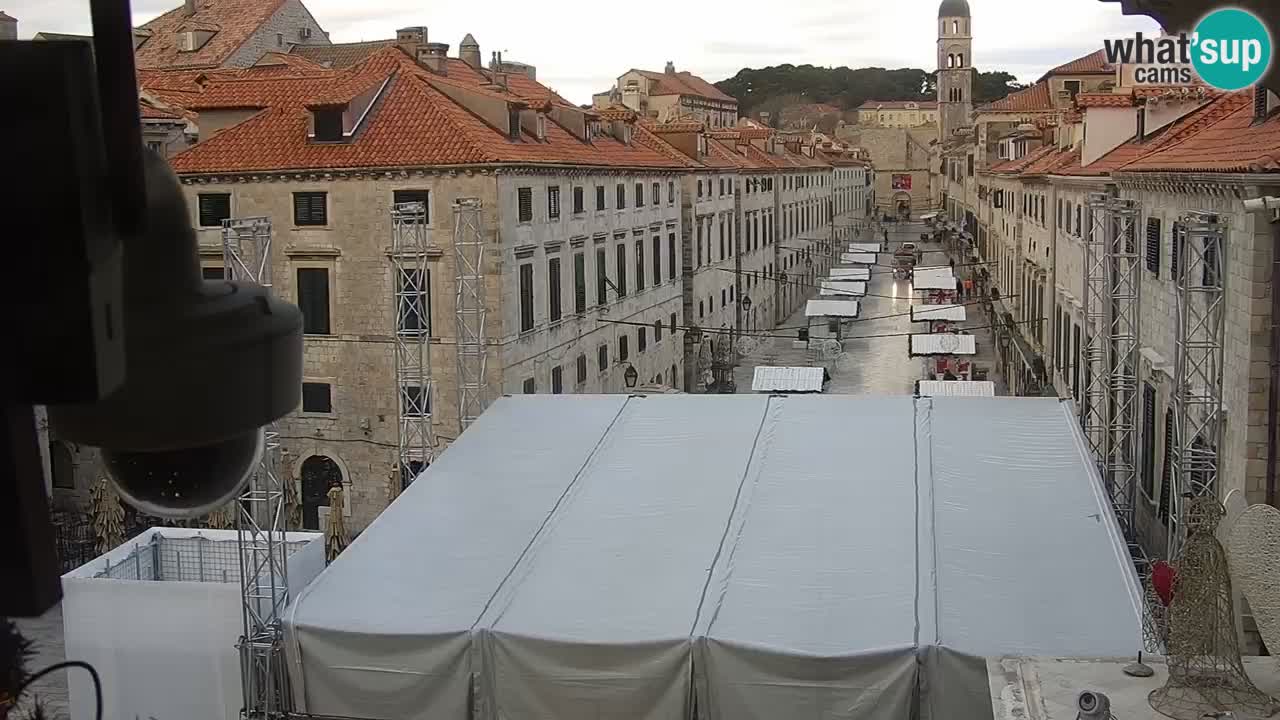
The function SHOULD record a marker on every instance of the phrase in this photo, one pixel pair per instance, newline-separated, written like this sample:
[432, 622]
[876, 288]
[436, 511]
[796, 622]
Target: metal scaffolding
[260, 516]
[1198, 383]
[1093, 351]
[415, 439]
[470, 310]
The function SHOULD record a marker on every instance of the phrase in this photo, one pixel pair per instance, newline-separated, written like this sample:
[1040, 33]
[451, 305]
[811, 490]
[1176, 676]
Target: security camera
[207, 365]
[1091, 705]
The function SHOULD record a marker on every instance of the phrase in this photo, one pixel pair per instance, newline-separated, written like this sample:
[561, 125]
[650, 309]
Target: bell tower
[955, 67]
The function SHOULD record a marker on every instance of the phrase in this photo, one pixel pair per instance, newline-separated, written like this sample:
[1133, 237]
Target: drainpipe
[1272, 204]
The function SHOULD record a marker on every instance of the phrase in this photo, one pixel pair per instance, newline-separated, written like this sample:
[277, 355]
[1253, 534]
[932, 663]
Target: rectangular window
[1149, 440]
[657, 260]
[553, 288]
[671, 192]
[214, 208]
[602, 277]
[526, 297]
[579, 202]
[524, 199]
[1153, 246]
[697, 259]
[699, 188]
[415, 301]
[622, 349]
[639, 264]
[313, 300]
[1210, 275]
[553, 202]
[655, 194]
[557, 380]
[671, 256]
[639, 194]
[317, 397]
[602, 357]
[414, 196]
[621, 260]
[213, 272]
[622, 196]
[530, 386]
[582, 369]
[579, 283]
[657, 331]
[310, 209]
[722, 255]
[599, 198]
[673, 323]
[1075, 362]
[1166, 475]
[642, 339]
[1176, 235]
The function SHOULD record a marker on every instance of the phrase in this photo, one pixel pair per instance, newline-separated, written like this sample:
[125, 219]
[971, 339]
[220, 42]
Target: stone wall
[278, 34]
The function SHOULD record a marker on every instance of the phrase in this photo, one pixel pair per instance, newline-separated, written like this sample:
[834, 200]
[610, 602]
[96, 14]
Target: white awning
[933, 278]
[787, 379]
[863, 258]
[831, 308]
[944, 344]
[861, 247]
[929, 216]
[957, 388]
[847, 274]
[950, 313]
[843, 288]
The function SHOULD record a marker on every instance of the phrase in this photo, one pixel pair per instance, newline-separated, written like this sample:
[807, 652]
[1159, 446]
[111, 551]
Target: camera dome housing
[207, 365]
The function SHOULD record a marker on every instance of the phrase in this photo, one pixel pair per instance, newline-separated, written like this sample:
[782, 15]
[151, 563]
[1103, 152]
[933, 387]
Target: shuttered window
[602, 277]
[1149, 440]
[599, 198]
[553, 202]
[642, 339]
[553, 288]
[602, 357]
[1175, 251]
[313, 300]
[579, 283]
[622, 196]
[639, 264]
[621, 258]
[310, 208]
[582, 369]
[657, 260]
[1166, 477]
[578, 201]
[671, 256]
[524, 198]
[526, 297]
[622, 349]
[557, 380]
[214, 208]
[1153, 245]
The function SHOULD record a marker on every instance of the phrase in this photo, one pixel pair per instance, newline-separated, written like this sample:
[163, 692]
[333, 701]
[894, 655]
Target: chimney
[435, 57]
[499, 72]
[189, 7]
[410, 39]
[671, 68]
[469, 52]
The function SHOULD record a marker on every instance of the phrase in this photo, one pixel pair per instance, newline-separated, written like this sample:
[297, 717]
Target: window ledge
[318, 251]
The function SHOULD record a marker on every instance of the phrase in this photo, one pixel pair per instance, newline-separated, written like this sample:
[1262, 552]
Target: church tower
[955, 67]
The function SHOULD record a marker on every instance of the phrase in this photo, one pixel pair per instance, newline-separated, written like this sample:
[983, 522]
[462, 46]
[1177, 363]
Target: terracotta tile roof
[1047, 163]
[1017, 166]
[1095, 63]
[60, 36]
[412, 124]
[340, 55]
[1219, 137]
[898, 104]
[1099, 100]
[616, 113]
[679, 126]
[1072, 117]
[275, 64]
[232, 21]
[150, 111]
[684, 83]
[644, 136]
[1033, 99]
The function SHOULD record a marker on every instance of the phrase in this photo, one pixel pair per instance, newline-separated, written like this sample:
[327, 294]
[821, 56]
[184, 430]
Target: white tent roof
[943, 344]
[953, 313]
[843, 288]
[787, 379]
[586, 556]
[864, 247]
[933, 278]
[860, 258]
[957, 388]
[853, 273]
[831, 308]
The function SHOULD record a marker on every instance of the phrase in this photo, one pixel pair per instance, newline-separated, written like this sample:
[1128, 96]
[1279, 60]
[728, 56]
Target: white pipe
[1262, 204]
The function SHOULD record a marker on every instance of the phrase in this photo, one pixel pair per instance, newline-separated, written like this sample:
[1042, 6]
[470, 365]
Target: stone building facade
[210, 34]
[670, 96]
[897, 113]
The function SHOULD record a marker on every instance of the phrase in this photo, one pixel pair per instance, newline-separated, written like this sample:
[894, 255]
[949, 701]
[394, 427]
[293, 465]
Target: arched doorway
[319, 473]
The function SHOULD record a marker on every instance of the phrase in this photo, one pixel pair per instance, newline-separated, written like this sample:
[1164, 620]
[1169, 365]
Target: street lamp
[746, 303]
[695, 335]
[630, 376]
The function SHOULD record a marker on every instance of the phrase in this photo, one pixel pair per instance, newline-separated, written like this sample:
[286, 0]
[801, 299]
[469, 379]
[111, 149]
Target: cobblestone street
[875, 360]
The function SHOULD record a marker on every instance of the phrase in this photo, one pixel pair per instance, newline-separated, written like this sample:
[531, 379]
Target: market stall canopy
[856, 273]
[928, 216]
[933, 278]
[844, 289]
[957, 388]
[787, 379]
[579, 557]
[943, 344]
[831, 308]
[859, 258]
[927, 313]
[864, 247]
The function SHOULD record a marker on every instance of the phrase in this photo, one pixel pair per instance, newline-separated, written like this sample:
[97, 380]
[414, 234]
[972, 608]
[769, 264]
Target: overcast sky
[579, 48]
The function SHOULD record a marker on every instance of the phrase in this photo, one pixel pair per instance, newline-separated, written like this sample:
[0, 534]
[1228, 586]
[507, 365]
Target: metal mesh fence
[184, 559]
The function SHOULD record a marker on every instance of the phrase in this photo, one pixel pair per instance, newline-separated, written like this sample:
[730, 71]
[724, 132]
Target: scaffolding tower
[1198, 383]
[415, 439]
[1093, 351]
[260, 515]
[470, 310]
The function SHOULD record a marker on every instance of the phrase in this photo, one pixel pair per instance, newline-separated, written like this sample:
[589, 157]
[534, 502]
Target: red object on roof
[231, 21]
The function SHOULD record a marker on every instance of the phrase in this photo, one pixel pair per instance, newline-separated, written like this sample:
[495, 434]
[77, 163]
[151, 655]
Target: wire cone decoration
[335, 531]
[221, 519]
[107, 514]
[1206, 673]
[292, 505]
